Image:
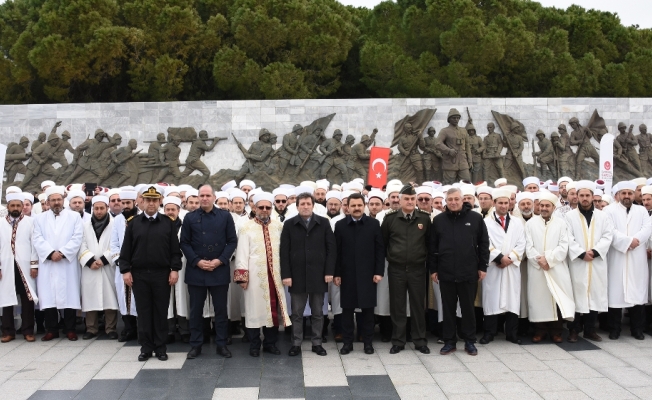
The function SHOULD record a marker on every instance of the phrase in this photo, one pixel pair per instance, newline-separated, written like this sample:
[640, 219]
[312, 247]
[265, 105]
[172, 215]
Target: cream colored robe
[26, 258]
[98, 290]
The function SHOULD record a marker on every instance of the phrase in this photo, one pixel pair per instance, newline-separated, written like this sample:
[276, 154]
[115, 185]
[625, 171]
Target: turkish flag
[378, 166]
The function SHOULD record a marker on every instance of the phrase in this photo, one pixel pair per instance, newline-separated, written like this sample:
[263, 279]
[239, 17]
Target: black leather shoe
[127, 336]
[112, 335]
[162, 356]
[271, 350]
[511, 339]
[223, 351]
[447, 349]
[638, 336]
[369, 349]
[144, 356]
[470, 349]
[294, 351]
[254, 352]
[422, 349]
[324, 339]
[319, 350]
[396, 349]
[185, 338]
[194, 353]
[88, 335]
[487, 338]
[229, 341]
[614, 335]
[346, 349]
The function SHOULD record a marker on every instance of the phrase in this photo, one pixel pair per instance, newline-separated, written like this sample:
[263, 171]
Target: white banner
[607, 161]
[3, 154]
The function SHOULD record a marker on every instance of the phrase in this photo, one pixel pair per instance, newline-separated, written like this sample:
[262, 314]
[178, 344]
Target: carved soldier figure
[197, 150]
[38, 142]
[477, 148]
[333, 156]
[628, 143]
[565, 154]
[257, 155]
[60, 153]
[41, 162]
[493, 146]
[514, 144]
[154, 150]
[14, 159]
[351, 165]
[453, 142]
[622, 162]
[545, 155]
[307, 147]
[169, 157]
[360, 153]
[645, 149]
[88, 153]
[431, 156]
[581, 137]
[105, 157]
[120, 163]
[289, 148]
[409, 145]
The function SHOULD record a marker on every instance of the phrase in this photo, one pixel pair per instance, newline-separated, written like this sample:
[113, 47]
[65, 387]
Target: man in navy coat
[208, 240]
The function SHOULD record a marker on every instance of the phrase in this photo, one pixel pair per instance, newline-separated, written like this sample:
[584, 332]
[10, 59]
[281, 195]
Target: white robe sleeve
[646, 230]
[34, 258]
[84, 253]
[241, 273]
[574, 248]
[41, 245]
[558, 254]
[114, 247]
[71, 249]
[620, 242]
[530, 250]
[602, 246]
[516, 255]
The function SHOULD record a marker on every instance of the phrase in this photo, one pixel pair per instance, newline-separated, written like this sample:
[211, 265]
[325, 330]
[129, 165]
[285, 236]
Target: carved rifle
[115, 165]
[534, 163]
[244, 153]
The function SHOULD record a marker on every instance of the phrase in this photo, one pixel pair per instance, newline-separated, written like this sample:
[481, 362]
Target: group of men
[409, 258]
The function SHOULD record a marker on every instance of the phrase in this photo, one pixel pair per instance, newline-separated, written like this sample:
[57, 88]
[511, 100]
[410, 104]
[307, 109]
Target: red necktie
[502, 221]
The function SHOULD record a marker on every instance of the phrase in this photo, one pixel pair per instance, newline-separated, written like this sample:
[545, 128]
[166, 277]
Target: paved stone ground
[102, 369]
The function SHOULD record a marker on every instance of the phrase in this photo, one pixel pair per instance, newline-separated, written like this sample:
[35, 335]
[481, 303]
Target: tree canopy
[156, 50]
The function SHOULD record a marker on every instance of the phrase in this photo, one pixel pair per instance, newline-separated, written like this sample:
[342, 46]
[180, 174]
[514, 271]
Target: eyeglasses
[280, 201]
[423, 199]
[115, 201]
[266, 208]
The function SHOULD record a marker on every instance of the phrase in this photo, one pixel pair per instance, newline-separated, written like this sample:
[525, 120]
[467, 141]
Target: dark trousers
[587, 320]
[636, 319]
[131, 324]
[365, 325]
[550, 327]
[26, 314]
[511, 324]
[52, 320]
[299, 301]
[402, 281]
[152, 295]
[198, 294]
[271, 336]
[465, 292]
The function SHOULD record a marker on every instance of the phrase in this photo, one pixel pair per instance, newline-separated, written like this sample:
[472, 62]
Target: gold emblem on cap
[152, 193]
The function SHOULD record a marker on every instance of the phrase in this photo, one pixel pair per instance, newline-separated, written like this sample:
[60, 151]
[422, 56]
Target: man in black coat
[359, 266]
[150, 260]
[460, 246]
[307, 266]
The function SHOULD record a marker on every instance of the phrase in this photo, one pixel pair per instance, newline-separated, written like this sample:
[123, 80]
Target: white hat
[424, 189]
[500, 181]
[54, 190]
[346, 194]
[468, 190]
[535, 195]
[171, 189]
[303, 189]
[286, 186]
[480, 184]
[334, 194]
[142, 188]
[28, 197]
[192, 192]
[436, 184]
[376, 193]
[113, 191]
[430, 184]
[530, 180]
[599, 183]
[524, 196]
[437, 193]
[355, 185]
[247, 182]
[614, 189]
[649, 182]
[13, 189]
[564, 179]
[237, 193]
[253, 192]
[184, 188]
[312, 184]
[263, 196]
[484, 190]
[395, 182]
[500, 192]
[359, 180]
[73, 187]
[228, 185]
[76, 193]
[598, 192]
[511, 188]
[101, 198]
[336, 187]
[571, 185]
[128, 195]
[543, 185]
[44, 184]
[607, 198]
[584, 184]
[547, 196]
[393, 189]
[323, 184]
[15, 196]
[219, 195]
[42, 197]
[646, 190]
[553, 188]
[639, 181]
[171, 200]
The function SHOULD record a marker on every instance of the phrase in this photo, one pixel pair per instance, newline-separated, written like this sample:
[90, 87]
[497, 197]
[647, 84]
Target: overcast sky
[631, 12]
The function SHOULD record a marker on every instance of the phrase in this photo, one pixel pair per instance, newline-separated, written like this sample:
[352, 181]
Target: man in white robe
[525, 207]
[501, 288]
[18, 270]
[126, 300]
[58, 234]
[550, 291]
[98, 272]
[589, 235]
[258, 272]
[629, 276]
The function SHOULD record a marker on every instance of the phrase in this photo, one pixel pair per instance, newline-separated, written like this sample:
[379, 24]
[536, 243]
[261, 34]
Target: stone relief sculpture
[644, 140]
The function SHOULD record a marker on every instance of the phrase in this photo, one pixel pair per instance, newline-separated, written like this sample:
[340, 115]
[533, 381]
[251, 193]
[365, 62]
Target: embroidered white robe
[26, 258]
[179, 296]
[97, 285]
[126, 299]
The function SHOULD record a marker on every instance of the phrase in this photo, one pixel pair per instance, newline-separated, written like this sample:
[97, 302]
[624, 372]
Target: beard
[526, 213]
[129, 212]
[15, 214]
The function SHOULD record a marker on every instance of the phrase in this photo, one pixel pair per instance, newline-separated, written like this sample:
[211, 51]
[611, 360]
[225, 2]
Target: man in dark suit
[307, 266]
[359, 266]
[208, 241]
[150, 260]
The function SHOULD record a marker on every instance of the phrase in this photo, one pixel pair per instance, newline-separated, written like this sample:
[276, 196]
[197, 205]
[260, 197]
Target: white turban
[228, 185]
[498, 193]
[101, 198]
[424, 189]
[334, 194]
[627, 185]
[192, 192]
[184, 188]
[237, 193]
[76, 193]
[128, 195]
[263, 196]
[355, 185]
[646, 190]
[468, 190]
[640, 181]
[598, 192]
[608, 199]
[247, 182]
[524, 196]
[530, 180]
[171, 189]
[437, 193]
[172, 200]
[13, 189]
[346, 194]
[15, 196]
[47, 183]
[553, 188]
[42, 196]
[54, 190]
[303, 189]
[584, 184]
[500, 181]
[547, 196]
[511, 188]
[28, 197]
[485, 190]
[323, 184]
[219, 195]
[564, 179]
[393, 189]
[376, 193]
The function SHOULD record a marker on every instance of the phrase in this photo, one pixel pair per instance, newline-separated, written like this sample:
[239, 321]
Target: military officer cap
[297, 127]
[53, 136]
[408, 189]
[65, 134]
[262, 133]
[152, 193]
[453, 112]
[621, 124]
[24, 140]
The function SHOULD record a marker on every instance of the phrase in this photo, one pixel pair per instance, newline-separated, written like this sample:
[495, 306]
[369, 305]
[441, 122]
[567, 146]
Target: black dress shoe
[294, 351]
[194, 353]
[254, 352]
[422, 349]
[223, 351]
[470, 349]
[369, 349]
[396, 349]
[447, 349]
[638, 336]
[511, 339]
[324, 339]
[319, 350]
[229, 341]
[614, 335]
[162, 356]
[144, 356]
[112, 335]
[185, 338]
[271, 350]
[88, 335]
[346, 349]
[487, 338]
[127, 336]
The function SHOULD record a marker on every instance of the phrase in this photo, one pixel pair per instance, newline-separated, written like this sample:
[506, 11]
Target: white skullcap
[649, 182]
[101, 198]
[584, 184]
[128, 195]
[395, 182]
[172, 200]
[247, 182]
[524, 196]
[47, 183]
[112, 192]
[607, 198]
[171, 189]
[359, 180]
[571, 185]
[42, 197]
[15, 196]
[303, 189]
[76, 193]
[376, 193]
[500, 192]
[184, 188]
[530, 180]
[553, 188]
[346, 194]
[436, 184]
[480, 184]
[599, 183]
[393, 189]
[547, 196]
[54, 190]
[485, 190]
[219, 195]
[312, 184]
[355, 185]
[253, 192]
[468, 190]
[511, 188]
[263, 196]
[429, 184]
[500, 181]
[336, 187]
[614, 189]
[13, 189]
[598, 192]
[333, 194]
[646, 190]
[323, 184]
[228, 185]
[142, 188]
[237, 193]
[192, 193]
[28, 197]
[564, 179]
[424, 189]
[437, 193]
[639, 181]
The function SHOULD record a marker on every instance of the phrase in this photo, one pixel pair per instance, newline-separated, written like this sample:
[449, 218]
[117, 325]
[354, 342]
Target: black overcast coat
[360, 256]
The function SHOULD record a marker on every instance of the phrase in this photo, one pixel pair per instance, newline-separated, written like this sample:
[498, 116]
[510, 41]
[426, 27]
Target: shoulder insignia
[390, 212]
[130, 218]
[424, 212]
